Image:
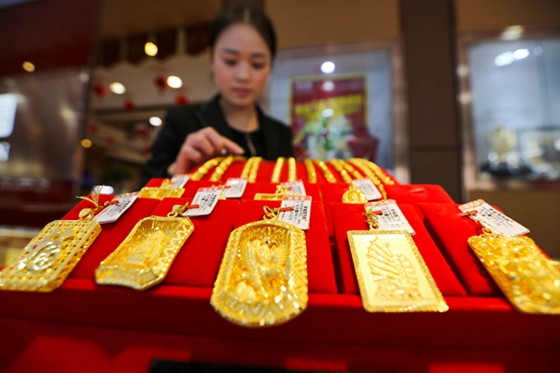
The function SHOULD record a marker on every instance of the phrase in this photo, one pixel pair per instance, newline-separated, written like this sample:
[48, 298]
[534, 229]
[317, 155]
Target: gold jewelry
[529, 280]
[262, 279]
[207, 166]
[254, 169]
[161, 192]
[340, 168]
[277, 172]
[385, 179]
[292, 172]
[51, 255]
[354, 195]
[326, 172]
[143, 259]
[247, 168]
[391, 272]
[281, 192]
[311, 173]
[362, 165]
[223, 166]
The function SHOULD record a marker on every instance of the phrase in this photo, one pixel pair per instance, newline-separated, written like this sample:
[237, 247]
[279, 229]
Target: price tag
[206, 199]
[295, 187]
[300, 213]
[179, 181]
[494, 219]
[368, 188]
[113, 212]
[390, 217]
[235, 188]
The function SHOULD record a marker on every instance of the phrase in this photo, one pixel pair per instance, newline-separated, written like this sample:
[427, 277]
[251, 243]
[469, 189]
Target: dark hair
[248, 15]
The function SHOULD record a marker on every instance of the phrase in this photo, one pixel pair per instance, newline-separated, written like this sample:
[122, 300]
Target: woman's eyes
[258, 65]
[254, 65]
[230, 62]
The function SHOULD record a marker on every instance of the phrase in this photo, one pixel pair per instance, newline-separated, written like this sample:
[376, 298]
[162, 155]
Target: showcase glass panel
[339, 114]
[516, 108]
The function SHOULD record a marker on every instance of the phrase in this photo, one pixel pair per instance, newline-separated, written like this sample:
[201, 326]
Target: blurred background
[460, 93]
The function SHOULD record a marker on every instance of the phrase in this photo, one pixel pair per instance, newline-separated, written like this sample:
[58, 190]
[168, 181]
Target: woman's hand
[199, 147]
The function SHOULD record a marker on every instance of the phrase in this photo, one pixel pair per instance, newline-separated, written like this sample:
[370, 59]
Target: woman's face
[241, 63]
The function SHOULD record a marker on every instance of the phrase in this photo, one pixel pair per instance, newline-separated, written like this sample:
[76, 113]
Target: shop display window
[511, 103]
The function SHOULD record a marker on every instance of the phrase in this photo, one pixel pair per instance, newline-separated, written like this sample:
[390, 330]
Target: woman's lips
[242, 91]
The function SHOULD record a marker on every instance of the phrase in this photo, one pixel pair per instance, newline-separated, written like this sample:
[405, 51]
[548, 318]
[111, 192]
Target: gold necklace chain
[277, 170]
[311, 173]
[254, 169]
[385, 179]
[292, 171]
[223, 166]
[362, 165]
[339, 167]
[207, 166]
[329, 176]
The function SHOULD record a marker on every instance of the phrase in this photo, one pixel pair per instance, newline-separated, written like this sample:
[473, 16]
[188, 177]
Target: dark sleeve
[287, 147]
[179, 122]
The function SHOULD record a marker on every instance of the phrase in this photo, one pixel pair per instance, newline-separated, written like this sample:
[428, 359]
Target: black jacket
[182, 120]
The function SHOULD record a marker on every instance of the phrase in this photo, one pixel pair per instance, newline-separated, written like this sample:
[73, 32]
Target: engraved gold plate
[262, 280]
[50, 257]
[392, 274]
[527, 278]
[143, 259]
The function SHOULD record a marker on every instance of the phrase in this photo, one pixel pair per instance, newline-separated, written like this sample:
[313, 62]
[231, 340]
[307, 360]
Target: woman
[242, 48]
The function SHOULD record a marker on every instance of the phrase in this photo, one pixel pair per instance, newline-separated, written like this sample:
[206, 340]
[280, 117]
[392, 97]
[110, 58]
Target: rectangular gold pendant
[50, 257]
[527, 278]
[160, 193]
[392, 274]
[143, 259]
[262, 279]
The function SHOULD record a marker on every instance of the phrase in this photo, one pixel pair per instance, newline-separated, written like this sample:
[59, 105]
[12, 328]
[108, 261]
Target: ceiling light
[512, 32]
[328, 85]
[28, 66]
[155, 121]
[117, 88]
[520, 54]
[327, 67]
[504, 59]
[174, 81]
[86, 143]
[150, 49]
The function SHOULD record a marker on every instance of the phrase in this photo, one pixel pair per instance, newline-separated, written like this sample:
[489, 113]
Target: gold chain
[207, 166]
[292, 172]
[339, 167]
[254, 169]
[382, 175]
[326, 172]
[311, 173]
[223, 166]
[277, 170]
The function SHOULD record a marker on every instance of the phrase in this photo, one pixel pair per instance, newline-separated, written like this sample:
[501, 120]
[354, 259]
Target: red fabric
[111, 235]
[451, 234]
[418, 193]
[332, 193]
[198, 261]
[320, 271]
[351, 217]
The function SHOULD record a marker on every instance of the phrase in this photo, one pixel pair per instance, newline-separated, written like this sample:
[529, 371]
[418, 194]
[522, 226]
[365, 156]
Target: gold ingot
[50, 256]
[143, 259]
[527, 278]
[391, 273]
[262, 280]
[354, 195]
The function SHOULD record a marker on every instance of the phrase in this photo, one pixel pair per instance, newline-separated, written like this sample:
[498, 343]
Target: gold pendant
[281, 192]
[262, 279]
[391, 273]
[51, 255]
[143, 259]
[527, 278]
[161, 192]
[354, 195]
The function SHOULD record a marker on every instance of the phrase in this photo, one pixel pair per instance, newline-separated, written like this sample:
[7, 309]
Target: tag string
[273, 213]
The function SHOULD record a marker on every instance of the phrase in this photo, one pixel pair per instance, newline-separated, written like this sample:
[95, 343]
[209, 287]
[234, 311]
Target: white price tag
[295, 187]
[235, 188]
[494, 219]
[179, 181]
[300, 214]
[206, 199]
[114, 211]
[390, 217]
[368, 188]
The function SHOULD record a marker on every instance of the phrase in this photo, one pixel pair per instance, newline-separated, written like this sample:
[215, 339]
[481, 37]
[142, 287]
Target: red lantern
[128, 105]
[100, 90]
[161, 82]
[181, 99]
